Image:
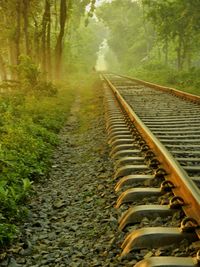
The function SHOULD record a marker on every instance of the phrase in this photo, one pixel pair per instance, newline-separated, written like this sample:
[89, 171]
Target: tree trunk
[189, 61]
[43, 44]
[56, 16]
[49, 64]
[184, 54]
[146, 32]
[179, 53]
[14, 41]
[18, 31]
[26, 24]
[3, 71]
[59, 43]
[166, 50]
[36, 41]
[159, 53]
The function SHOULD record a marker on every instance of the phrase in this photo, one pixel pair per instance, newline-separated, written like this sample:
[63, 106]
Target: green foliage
[127, 36]
[160, 39]
[176, 28]
[188, 81]
[155, 72]
[28, 72]
[32, 109]
[81, 52]
[28, 130]
[7, 233]
[45, 88]
[26, 152]
[31, 80]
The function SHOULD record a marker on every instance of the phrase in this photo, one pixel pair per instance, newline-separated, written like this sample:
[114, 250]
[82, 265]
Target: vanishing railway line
[154, 134]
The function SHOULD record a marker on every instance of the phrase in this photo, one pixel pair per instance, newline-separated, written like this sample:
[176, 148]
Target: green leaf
[26, 184]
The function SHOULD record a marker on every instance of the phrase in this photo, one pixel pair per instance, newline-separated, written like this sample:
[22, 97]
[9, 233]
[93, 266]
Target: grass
[88, 94]
[188, 81]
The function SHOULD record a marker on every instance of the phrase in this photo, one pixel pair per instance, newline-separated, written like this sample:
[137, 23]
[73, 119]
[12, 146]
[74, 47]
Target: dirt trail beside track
[72, 219]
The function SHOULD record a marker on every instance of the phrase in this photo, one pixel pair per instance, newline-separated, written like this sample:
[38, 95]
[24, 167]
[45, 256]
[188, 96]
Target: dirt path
[72, 219]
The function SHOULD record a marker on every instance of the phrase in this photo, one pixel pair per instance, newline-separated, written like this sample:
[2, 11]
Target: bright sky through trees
[101, 62]
[98, 3]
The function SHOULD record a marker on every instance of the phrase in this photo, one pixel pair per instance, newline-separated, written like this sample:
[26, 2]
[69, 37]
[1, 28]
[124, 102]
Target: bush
[28, 72]
[30, 80]
[7, 233]
[45, 88]
[29, 124]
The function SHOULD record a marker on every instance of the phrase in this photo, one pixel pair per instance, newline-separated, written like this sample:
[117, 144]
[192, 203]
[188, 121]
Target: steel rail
[184, 186]
[171, 90]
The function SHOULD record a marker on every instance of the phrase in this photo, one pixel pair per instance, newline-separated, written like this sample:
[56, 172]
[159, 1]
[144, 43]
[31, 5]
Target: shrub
[7, 233]
[29, 123]
[28, 72]
[45, 88]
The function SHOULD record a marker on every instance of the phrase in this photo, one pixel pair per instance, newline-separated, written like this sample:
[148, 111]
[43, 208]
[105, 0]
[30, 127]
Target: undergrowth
[88, 92]
[188, 81]
[32, 113]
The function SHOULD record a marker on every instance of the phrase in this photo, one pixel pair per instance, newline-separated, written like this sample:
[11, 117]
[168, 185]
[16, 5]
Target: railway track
[154, 135]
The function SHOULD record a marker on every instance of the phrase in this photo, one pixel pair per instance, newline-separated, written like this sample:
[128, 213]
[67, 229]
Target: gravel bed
[72, 220]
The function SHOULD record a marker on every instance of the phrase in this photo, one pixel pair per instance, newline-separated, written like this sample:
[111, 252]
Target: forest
[154, 40]
[49, 45]
[43, 43]
[57, 38]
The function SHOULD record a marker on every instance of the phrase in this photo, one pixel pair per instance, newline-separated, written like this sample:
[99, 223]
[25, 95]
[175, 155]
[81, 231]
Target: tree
[175, 21]
[25, 11]
[59, 43]
[41, 31]
[127, 34]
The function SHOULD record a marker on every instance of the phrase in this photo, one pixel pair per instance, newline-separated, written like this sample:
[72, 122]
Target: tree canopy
[145, 31]
[53, 34]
